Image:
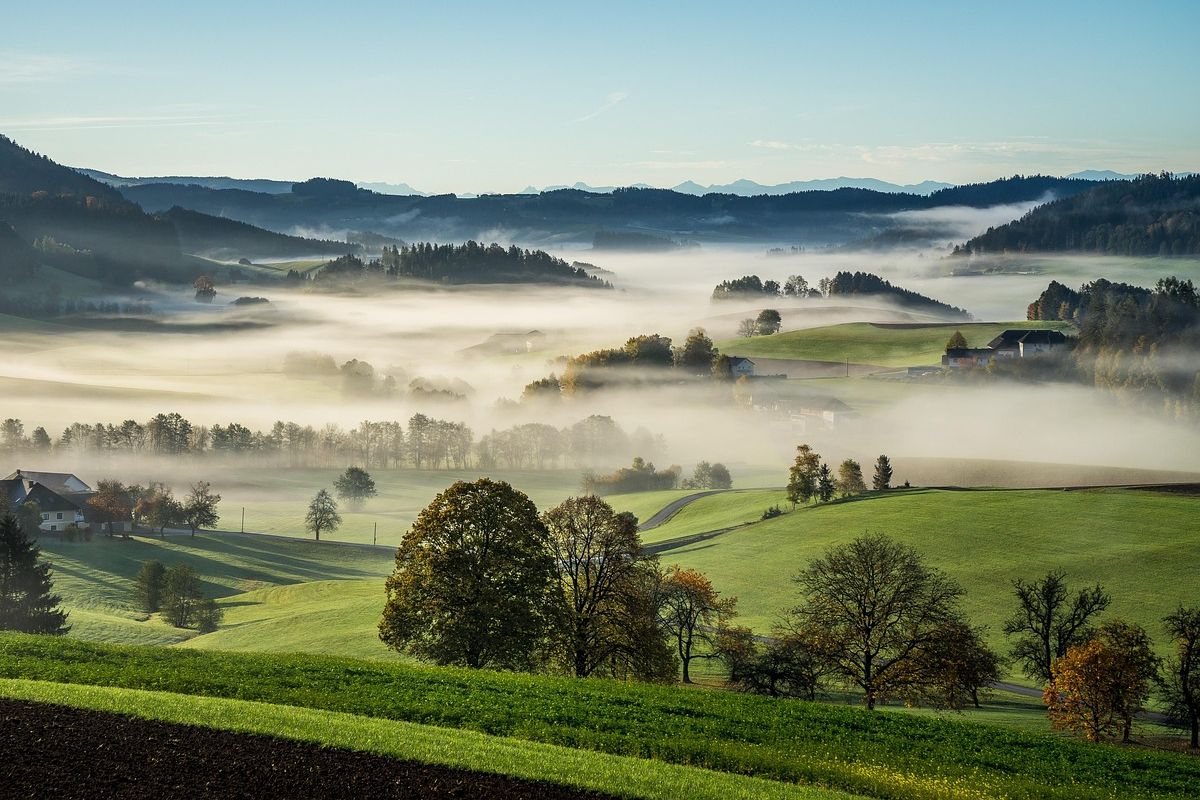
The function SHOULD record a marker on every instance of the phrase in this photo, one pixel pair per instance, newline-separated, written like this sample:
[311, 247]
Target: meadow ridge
[885, 345]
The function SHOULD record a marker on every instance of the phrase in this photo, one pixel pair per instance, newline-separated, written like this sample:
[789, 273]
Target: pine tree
[26, 603]
[956, 342]
[882, 480]
[825, 486]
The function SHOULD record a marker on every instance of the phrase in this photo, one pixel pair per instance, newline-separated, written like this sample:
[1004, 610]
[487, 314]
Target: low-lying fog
[53, 376]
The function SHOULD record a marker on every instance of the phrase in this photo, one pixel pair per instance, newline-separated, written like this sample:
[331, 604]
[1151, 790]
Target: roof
[736, 360]
[14, 490]
[1016, 336]
[58, 481]
[49, 500]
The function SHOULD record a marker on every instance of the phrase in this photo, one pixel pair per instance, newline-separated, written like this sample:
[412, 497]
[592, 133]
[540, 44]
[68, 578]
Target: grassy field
[585, 769]
[867, 343]
[717, 511]
[1144, 547]
[875, 754]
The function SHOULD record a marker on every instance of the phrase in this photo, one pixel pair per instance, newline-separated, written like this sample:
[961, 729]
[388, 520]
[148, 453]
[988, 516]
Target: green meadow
[870, 343]
[791, 744]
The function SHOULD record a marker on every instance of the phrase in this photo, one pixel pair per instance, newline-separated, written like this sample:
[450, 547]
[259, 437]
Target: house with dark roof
[1012, 343]
[741, 366]
[60, 497]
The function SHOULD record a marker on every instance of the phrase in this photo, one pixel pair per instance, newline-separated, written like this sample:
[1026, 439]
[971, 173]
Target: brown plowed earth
[58, 752]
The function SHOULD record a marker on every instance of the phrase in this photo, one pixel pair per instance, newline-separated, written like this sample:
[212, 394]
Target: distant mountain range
[260, 185]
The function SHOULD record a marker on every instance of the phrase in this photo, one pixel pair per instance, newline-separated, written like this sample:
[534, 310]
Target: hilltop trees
[322, 514]
[880, 607]
[697, 353]
[882, 479]
[475, 582]
[694, 613]
[26, 602]
[1180, 681]
[355, 486]
[1047, 622]
[607, 622]
[768, 322]
[850, 478]
[708, 476]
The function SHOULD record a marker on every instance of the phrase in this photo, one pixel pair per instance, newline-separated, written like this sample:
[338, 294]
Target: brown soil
[59, 752]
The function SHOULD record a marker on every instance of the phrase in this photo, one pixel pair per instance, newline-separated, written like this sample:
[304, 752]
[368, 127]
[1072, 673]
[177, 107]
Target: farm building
[741, 366]
[1012, 343]
[60, 496]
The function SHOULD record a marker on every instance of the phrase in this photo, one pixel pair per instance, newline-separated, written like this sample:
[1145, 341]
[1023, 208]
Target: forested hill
[216, 237]
[1155, 215]
[25, 173]
[814, 216]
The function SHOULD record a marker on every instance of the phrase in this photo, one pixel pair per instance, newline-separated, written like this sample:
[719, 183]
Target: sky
[472, 97]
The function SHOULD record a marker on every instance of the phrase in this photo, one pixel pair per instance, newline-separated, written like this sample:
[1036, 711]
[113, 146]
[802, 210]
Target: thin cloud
[102, 122]
[773, 144]
[613, 99]
[17, 69]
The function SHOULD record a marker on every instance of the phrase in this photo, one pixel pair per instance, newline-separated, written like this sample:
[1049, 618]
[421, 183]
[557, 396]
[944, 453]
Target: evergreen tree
[882, 480]
[956, 342]
[148, 586]
[26, 603]
[825, 486]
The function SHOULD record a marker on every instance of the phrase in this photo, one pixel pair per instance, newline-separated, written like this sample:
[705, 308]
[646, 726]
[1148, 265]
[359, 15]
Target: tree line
[844, 283]
[811, 479]
[424, 443]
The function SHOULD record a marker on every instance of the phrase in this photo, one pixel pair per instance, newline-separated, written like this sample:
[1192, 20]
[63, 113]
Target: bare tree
[1046, 622]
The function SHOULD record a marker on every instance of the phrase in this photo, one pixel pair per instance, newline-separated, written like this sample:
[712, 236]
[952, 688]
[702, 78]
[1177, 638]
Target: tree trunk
[317, 531]
[1126, 730]
[1195, 731]
[687, 678]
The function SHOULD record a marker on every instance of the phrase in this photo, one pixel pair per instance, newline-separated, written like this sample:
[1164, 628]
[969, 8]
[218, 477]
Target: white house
[741, 366]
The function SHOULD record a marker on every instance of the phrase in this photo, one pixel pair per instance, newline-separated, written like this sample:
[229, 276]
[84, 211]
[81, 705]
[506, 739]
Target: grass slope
[630, 777]
[1144, 547]
[868, 343]
[878, 754]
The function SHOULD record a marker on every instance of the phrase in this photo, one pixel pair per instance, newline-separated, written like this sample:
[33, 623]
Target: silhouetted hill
[17, 259]
[24, 172]
[1152, 215]
[216, 237]
[817, 217]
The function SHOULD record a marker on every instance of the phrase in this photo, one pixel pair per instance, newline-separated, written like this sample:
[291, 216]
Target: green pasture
[878, 754]
[868, 343]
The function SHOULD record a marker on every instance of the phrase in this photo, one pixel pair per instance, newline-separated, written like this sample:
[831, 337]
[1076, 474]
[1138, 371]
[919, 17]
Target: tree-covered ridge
[471, 262]
[1155, 215]
[217, 237]
[24, 172]
[866, 283]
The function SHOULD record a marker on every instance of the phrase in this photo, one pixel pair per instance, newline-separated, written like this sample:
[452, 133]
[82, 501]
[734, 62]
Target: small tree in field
[148, 586]
[850, 478]
[693, 612]
[200, 507]
[768, 322]
[956, 342]
[355, 486]
[322, 514]
[1180, 681]
[747, 328]
[882, 479]
[26, 603]
[180, 595]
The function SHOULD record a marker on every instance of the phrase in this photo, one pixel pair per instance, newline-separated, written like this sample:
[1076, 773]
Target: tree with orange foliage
[109, 504]
[693, 613]
[1099, 686]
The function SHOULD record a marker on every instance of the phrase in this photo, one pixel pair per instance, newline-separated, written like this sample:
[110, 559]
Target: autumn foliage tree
[1098, 686]
[110, 504]
[802, 477]
[475, 583]
[693, 613]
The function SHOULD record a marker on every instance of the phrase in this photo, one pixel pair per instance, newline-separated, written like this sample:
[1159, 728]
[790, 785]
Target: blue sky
[475, 97]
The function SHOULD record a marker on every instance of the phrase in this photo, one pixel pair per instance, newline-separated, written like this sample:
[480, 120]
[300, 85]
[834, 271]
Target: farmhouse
[60, 496]
[1012, 343]
[741, 366]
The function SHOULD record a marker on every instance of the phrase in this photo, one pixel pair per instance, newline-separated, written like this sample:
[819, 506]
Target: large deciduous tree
[605, 577]
[880, 606]
[697, 354]
[322, 514]
[1180, 682]
[180, 594]
[109, 504]
[768, 322]
[1048, 621]
[693, 613]
[850, 478]
[26, 601]
[475, 582]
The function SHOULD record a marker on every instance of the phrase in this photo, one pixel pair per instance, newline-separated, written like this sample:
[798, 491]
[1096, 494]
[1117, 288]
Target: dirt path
[67, 753]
